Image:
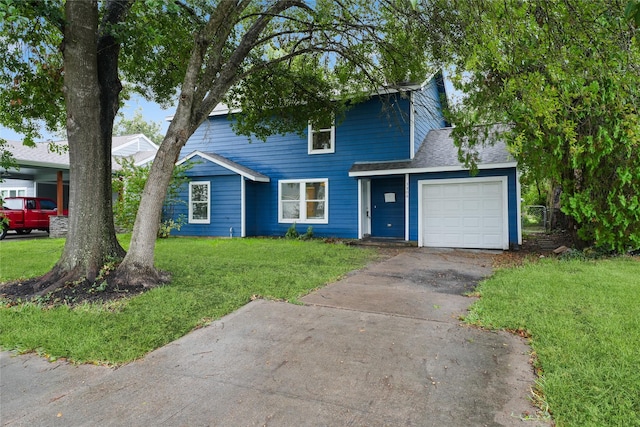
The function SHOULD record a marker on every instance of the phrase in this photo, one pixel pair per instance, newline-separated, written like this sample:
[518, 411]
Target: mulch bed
[71, 294]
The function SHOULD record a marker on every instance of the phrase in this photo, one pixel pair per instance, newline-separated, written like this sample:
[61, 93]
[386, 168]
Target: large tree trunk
[201, 90]
[91, 241]
[138, 267]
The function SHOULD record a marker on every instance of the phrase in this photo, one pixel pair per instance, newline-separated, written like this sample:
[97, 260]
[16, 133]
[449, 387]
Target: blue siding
[376, 130]
[252, 207]
[225, 208]
[427, 112]
[225, 203]
[512, 202]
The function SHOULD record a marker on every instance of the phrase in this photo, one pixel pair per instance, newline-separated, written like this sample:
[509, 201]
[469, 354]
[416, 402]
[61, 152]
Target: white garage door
[464, 213]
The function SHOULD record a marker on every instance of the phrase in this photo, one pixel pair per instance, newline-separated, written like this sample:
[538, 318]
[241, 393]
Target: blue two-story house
[388, 170]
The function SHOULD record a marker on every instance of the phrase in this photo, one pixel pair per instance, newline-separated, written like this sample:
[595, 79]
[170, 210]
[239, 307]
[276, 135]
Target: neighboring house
[137, 147]
[389, 170]
[38, 170]
[39, 167]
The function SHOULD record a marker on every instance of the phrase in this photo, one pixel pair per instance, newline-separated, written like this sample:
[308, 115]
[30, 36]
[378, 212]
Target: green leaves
[128, 183]
[31, 66]
[632, 12]
[563, 74]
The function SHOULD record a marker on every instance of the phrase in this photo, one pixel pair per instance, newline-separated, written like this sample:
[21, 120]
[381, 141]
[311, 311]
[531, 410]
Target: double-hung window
[303, 201]
[322, 137]
[199, 206]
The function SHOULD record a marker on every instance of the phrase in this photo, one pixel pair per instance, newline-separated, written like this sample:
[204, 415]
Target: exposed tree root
[69, 287]
[139, 275]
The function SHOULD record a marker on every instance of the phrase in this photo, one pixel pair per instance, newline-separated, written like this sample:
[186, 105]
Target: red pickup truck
[25, 214]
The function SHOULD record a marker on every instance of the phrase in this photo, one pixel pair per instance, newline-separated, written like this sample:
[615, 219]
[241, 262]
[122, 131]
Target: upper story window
[303, 201]
[322, 137]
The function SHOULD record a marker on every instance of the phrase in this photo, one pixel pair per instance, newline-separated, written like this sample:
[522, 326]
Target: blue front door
[387, 207]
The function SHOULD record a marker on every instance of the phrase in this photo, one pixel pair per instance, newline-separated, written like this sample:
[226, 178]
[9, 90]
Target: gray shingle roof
[119, 140]
[39, 155]
[228, 164]
[376, 166]
[139, 159]
[233, 165]
[438, 151]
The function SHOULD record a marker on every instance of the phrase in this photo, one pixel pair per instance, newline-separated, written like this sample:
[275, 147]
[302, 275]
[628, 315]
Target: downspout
[243, 202]
[360, 212]
[412, 126]
[406, 207]
[519, 206]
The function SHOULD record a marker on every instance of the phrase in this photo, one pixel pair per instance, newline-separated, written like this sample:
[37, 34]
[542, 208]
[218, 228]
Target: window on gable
[303, 201]
[322, 137]
[199, 206]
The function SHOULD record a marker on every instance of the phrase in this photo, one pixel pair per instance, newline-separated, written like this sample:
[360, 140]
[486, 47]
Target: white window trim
[303, 212]
[208, 219]
[329, 150]
[8, 190]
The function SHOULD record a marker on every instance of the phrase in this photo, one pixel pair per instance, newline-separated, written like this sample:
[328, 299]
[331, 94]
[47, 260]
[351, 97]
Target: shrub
[128, 184]
[292, 233]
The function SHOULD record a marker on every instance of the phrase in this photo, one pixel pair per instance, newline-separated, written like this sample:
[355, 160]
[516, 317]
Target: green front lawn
[583, 316]
[584, 321]
[211, 278]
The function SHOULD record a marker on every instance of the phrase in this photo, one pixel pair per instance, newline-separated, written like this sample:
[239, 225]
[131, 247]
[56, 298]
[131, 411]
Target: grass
[211, 278]
[584, 321]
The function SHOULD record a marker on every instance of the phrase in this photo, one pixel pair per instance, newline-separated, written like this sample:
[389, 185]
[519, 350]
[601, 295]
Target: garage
[463, 213]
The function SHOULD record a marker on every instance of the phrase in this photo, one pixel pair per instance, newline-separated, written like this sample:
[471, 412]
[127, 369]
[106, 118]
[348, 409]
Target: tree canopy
[137, 124]
[563, 76]
[283, 62]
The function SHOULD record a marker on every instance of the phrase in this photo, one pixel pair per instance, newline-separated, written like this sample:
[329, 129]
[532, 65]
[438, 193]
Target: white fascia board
[187, 157]
[42, 164]
[430, 170]
[222, 109]
[397, 89]
[224, 165]
[135, 139]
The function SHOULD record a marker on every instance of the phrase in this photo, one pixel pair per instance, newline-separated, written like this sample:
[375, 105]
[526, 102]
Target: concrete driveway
[382, 347]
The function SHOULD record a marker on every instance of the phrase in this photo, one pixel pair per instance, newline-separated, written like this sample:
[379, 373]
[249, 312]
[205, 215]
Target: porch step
[385, 242]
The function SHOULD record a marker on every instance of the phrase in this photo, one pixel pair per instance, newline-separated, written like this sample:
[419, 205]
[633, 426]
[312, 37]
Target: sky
[151, 112]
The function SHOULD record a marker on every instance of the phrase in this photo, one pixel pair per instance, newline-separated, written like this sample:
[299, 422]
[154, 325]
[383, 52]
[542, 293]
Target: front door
[387, 207]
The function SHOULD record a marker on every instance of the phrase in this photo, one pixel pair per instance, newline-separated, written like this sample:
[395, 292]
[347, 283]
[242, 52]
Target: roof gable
[227, 164]
[438, 153]
[438, 149]
[130, 144]
[137, 147]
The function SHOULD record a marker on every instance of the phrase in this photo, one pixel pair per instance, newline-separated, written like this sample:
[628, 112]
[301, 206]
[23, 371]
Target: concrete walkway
[383, 347]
